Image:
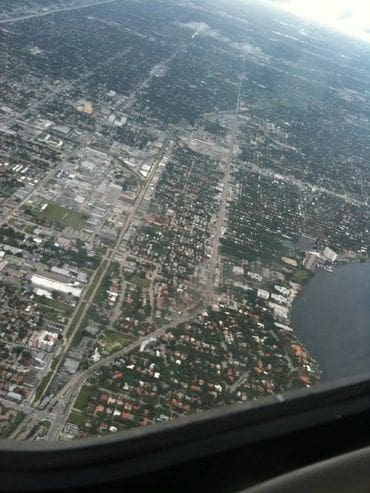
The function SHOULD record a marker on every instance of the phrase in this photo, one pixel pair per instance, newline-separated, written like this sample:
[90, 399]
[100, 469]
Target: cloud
[203, 29]
[349, 16]
[248, 49]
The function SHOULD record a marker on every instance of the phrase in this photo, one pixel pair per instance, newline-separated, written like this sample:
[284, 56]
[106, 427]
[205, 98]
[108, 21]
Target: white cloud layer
[349, 16]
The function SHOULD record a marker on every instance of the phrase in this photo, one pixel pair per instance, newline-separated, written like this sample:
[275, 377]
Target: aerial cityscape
[172, 174]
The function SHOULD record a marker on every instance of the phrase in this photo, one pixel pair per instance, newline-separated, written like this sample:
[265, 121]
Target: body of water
[331, 317]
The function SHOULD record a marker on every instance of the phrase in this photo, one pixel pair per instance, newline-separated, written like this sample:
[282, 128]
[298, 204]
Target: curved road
[62, 403]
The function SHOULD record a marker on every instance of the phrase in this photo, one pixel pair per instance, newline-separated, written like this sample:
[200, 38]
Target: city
[167, 189]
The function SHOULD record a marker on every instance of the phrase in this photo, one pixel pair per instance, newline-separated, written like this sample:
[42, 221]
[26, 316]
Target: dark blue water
[331, 316]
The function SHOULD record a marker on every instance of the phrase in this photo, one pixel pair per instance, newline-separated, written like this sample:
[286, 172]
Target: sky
[349, 16]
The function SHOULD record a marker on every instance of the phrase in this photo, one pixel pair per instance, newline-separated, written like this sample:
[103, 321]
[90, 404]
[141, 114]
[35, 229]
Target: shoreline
[297, 294]
[321, 333]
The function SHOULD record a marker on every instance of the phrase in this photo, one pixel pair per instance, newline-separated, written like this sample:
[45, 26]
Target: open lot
[62, 216]
[112, 341]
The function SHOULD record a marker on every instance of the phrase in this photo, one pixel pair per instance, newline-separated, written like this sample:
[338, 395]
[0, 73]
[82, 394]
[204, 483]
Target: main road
[225, 191]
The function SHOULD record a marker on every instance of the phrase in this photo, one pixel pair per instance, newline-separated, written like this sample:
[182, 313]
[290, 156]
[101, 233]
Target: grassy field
[45, 381]
[112, 341]
[9, 428]
[76, 419]
[62, 216]
[76, 318]
[137, 280]
[230, 256]
[83, 398]
[29, 228]
[54, 304]
[97, 276]
[300, 276]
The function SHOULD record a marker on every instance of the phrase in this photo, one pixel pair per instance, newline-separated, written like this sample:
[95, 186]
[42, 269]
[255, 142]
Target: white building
[279, 311]
[60, 271]
[52, 285]
[238, 271]
[330, 254]
[261, 293]
[43, 340]
[279, 298]
[255, 276]
[14, 396]
[281, 289]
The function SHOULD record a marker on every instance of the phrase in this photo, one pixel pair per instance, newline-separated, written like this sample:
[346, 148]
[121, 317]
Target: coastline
[326, 319]
[296, 292]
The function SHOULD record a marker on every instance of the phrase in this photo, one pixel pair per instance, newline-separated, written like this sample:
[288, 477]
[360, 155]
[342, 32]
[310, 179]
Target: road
[32, 415]
[11, 20]
[24, 408]
[225, 191]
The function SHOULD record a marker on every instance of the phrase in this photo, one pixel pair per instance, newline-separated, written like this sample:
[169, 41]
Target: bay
[331, 317]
